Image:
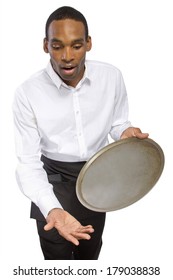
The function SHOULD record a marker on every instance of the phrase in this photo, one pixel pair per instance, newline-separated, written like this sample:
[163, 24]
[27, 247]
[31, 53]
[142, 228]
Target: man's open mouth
[68, 70]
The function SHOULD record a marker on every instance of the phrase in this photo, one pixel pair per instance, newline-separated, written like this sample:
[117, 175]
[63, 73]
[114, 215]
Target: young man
[65, 113]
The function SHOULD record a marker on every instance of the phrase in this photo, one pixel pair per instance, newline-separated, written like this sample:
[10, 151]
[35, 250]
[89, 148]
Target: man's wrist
[54, 209]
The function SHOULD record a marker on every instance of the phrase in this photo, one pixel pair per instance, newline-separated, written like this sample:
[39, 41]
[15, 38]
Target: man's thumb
[49, 226]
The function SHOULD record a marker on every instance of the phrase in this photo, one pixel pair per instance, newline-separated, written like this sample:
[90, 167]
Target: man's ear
[89, 43]
[45, 45]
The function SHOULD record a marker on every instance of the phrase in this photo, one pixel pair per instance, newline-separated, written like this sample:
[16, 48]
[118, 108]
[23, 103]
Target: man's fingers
[141, 135]
[49, 226]
[71, 239]
[88, 229]
[79, 235]
[75, 237]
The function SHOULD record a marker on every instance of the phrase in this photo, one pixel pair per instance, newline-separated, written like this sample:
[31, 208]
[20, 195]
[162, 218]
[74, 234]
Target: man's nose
[67, 54]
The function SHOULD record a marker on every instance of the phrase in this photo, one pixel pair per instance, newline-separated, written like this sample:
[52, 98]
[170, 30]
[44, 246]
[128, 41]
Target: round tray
[120, 174]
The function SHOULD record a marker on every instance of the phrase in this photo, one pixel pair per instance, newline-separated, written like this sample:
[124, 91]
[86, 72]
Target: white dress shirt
[65, 123]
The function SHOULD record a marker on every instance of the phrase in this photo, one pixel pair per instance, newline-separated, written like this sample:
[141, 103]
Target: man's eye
[77, 47]
[56, 47]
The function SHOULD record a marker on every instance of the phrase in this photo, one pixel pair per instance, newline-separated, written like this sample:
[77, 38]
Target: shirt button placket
[79, 128]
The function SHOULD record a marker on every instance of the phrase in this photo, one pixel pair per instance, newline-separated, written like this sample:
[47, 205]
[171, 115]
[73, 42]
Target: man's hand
[134, 132]
[67, 226]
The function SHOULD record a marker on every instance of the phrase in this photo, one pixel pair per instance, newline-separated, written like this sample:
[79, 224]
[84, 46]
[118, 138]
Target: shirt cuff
[116, 132]
[47, 201]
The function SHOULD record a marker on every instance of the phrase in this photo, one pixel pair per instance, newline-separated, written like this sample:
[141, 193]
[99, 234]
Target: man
[65, 113]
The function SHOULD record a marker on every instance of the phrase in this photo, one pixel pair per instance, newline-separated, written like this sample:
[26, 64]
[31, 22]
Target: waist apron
[63, 176]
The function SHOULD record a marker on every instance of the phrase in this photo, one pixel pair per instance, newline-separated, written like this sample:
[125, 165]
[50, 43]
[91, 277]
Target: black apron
[63, 176]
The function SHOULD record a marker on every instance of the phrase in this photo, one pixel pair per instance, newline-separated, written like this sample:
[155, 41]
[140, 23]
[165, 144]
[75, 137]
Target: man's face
[67, 46]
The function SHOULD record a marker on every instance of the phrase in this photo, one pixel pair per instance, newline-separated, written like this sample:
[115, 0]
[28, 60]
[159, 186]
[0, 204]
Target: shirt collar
[57, 80]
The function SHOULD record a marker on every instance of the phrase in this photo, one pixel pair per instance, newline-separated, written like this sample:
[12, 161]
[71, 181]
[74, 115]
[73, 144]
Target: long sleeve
[121, 110]
[31, 177]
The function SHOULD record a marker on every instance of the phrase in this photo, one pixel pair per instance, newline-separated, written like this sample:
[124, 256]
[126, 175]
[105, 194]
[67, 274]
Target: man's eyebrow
[80, 40]
[56, 40]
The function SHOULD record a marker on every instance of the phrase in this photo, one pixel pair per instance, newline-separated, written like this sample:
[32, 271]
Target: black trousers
[63, 176]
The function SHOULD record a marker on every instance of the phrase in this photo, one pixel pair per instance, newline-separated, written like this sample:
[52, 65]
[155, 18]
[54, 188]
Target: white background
[136, 36]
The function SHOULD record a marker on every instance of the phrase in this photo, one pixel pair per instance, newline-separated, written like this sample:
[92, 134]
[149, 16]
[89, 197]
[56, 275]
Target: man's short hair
[66, 12]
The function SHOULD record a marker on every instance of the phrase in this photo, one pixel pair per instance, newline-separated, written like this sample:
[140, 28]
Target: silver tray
[120, 174]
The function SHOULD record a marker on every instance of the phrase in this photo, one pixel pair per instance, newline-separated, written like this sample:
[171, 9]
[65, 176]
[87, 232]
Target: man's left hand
[133, 132]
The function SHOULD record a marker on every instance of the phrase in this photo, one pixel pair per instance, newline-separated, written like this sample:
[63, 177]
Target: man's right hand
[67, 226]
